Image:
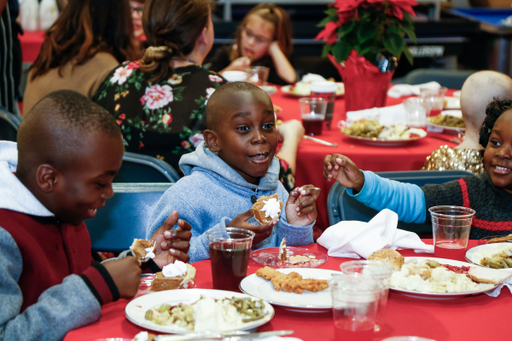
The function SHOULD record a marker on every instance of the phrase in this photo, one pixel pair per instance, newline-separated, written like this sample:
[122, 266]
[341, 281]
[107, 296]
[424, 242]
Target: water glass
[327, 90]
[379, 271]
[434, 97]
[450, 227]
[229, 254]
[416, 112]
[257, 75]
[355, 300]
[313, 114]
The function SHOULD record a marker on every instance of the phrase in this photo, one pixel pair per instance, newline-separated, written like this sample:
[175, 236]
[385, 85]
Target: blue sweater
[211, 194]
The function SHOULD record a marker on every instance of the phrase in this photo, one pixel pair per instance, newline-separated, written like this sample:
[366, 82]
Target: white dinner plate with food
[304, 91]
[456, 115]
[481, 288]
[298, 257]
[477, 253]
[383, 142]
[311, 302]
[136, 309]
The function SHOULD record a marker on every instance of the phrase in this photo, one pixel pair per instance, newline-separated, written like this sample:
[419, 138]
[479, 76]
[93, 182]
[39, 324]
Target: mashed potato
[420, 277]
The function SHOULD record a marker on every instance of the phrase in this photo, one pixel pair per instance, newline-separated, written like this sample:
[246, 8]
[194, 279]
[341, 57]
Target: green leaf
[346, 29]
[394, 43]
[326, 50]
[341, 51]
[408, 55]
[324, 22]
[410, 33]
[366, 31]
[331, 11]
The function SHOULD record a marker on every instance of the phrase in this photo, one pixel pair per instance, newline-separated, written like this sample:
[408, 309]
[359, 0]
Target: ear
[211, 138]
[203, 38]
[46, 177]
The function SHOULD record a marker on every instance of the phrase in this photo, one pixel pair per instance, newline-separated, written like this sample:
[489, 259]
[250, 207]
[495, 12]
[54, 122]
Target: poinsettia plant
[373, 28]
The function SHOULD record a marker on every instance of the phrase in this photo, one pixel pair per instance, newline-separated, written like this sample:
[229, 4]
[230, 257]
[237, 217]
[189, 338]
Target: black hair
[493, 111]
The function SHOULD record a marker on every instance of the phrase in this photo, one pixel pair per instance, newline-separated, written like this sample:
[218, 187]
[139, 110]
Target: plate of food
[493, 255]
[440, 279]
[450, 120]
[297, 289]
[301, 89]
[372, 132]
[184, 311]
[289, 256]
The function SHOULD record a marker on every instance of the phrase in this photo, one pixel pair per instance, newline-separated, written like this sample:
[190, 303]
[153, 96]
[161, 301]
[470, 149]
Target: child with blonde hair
[264, 38]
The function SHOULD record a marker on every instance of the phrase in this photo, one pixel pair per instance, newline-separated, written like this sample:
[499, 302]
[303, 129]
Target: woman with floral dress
[159, 101]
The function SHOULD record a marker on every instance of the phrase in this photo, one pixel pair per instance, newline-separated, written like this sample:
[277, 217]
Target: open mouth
[260, 157]
[501, 169]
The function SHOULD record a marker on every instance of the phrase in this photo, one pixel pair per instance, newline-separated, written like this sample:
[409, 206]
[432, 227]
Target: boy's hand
[343, 170]
[262, 231]
[126, 275]
[301, 205]
[239, 64]
[172, 244]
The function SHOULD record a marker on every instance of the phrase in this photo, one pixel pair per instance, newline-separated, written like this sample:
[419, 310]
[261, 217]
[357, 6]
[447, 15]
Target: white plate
[452, 102]
[456, 93]
[483, 288]
[286, 89]
[456, 113]
[136, 309]
[472, 255]
[382, 142]
[306, 302]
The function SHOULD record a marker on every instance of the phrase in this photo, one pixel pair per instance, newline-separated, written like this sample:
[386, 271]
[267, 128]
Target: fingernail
[167, 234]
[297, 209]
[180, 221]
[173, 251]
[163, 244]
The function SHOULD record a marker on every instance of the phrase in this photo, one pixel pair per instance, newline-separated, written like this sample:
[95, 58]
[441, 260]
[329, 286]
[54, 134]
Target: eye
[101, 185]
[495, 142]
[243, 128]
[268, 126]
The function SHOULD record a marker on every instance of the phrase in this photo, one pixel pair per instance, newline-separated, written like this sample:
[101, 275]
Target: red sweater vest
[50, 251]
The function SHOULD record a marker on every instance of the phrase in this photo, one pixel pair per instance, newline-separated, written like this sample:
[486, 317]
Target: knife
[225, 336]
[330, 144]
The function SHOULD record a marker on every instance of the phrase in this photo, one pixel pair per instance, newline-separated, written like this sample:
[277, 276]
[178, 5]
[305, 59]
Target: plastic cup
[257, 75]
[416, 112]
[326, 90]
[313, 114]
[435, 99]
[355, 300]
[379, 271]
[235, 76]
[451, 226]
[229, 254]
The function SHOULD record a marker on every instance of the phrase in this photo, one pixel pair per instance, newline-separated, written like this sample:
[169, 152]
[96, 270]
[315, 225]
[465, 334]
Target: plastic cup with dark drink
[229, 254]
[313, 114]
[326, 90]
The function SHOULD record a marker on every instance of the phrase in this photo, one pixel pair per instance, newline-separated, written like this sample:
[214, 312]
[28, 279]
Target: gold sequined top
[446, 158]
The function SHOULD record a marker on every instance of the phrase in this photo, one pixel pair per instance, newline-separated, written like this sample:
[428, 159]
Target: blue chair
[341, 206]
[145, 168]
[9, 124]
[452, 79]
[124, 216]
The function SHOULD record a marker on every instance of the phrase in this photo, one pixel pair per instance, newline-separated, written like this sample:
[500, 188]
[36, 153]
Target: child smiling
[230, 170]
[489, 194]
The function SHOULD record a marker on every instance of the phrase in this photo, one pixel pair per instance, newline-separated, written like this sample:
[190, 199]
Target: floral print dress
[164, 119]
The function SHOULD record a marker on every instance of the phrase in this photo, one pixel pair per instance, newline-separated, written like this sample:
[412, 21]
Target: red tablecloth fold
[477, 317]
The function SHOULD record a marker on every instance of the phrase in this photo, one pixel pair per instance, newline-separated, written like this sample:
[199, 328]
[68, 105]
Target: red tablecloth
[30, 45]
[477, 317]
[368, 157]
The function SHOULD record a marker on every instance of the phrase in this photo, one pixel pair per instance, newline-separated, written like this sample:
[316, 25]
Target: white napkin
[312, 77]
[356, 239]
[497, 291]
[400, 90]
[386, 115]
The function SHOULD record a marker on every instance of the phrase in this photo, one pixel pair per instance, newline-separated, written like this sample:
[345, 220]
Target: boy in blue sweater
[230, 170]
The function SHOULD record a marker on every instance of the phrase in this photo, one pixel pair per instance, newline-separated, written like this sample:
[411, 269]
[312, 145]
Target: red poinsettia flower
[347, 5]
[329, 34]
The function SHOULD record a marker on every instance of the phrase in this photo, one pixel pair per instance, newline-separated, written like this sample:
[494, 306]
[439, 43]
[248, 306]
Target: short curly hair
[494, 110]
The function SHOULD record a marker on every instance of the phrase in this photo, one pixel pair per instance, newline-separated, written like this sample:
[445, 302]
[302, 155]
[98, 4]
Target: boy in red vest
[58, 174]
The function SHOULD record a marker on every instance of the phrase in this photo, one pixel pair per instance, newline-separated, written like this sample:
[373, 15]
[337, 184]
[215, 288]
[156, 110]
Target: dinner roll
[389, 256]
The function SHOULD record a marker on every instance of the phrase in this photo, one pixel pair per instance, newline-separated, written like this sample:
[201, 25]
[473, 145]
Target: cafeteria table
[310, 156]
[478, 317]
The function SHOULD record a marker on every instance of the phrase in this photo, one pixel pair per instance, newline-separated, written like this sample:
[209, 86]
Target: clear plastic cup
[381, 272]
[229, 254]
[416, 112]
[326, 90]
[434, 97]
[451, 226]
[313, 114]
[355, 300]
[257, 75]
